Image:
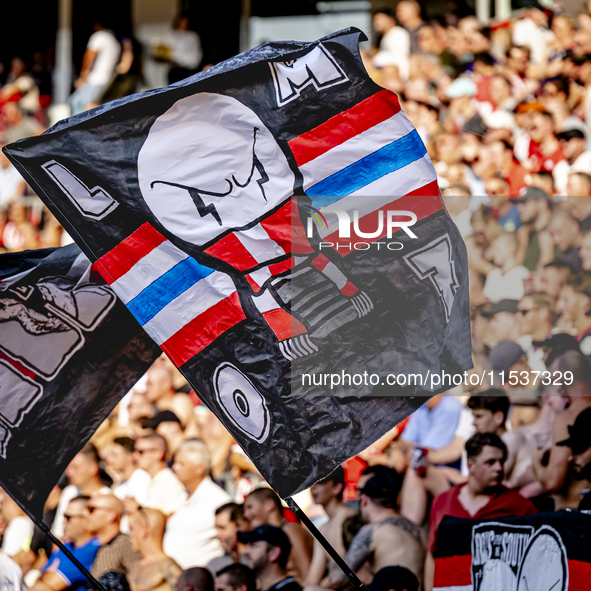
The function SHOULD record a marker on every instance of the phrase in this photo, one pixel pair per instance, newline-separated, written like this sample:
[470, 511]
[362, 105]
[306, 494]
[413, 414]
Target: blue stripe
[166, 288]
[387, 159]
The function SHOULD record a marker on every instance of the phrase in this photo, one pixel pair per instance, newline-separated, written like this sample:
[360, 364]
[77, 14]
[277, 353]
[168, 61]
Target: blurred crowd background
[504, 110]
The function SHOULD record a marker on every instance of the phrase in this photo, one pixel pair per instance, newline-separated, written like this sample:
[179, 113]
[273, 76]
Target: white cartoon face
[209, 165]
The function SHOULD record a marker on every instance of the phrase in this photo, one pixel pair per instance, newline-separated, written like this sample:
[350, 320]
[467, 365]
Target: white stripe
[157, 262]
[265, 302]
[359, 146]
[259, 244]
[413, 176]
[260, 275]
[197, 299]
[334, 274]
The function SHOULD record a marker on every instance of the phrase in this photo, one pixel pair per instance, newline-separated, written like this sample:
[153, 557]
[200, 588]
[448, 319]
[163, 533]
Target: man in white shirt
[11, 578]
[98, 66]
[395, 44]
[12, 184]
[190, 537]
[83, 475]
[578, 158]
[164, 492]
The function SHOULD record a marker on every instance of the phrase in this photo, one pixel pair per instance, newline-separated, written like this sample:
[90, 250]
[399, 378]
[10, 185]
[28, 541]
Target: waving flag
[546, 551]
[69, 350]
[273, 223]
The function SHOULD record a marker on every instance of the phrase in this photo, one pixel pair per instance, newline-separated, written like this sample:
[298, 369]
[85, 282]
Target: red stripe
[230, 250]
[283, 324]
[281, 267]
[579, 575]
[17, 365]
[453, 571]
[130, 251]
[285, 227]
[320, 262]
[425, 205]
[349, 289]
[203, 330]
[344, 126]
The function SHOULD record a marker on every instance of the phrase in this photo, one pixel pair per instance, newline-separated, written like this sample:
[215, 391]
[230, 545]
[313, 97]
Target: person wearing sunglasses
[103, 516]
[60, 572]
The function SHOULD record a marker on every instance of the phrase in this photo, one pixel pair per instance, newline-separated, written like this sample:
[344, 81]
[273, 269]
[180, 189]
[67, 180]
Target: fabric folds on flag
[273, 223]
[69, 351]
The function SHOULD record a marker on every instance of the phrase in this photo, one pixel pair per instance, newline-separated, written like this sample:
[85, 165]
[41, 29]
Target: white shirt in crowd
[190, 533]
[164, 492]
[18, 536]
[108, 51]
[186, 48]
[10, 179]
[563, 169]
[526, 33]
[11, 578]
[507, 286]
[135, 487]
[394, 51]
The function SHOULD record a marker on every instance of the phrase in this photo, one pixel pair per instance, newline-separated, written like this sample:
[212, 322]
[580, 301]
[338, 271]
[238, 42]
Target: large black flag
[69, 350]
[274, 224]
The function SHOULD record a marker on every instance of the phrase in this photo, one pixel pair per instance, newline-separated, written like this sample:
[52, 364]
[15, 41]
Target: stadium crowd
[164, 499]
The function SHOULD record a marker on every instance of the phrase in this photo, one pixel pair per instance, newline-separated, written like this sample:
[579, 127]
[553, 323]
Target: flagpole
[45, 529]
[325, 544]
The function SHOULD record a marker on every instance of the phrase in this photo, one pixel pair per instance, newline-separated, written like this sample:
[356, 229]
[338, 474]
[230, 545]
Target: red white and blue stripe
[371, 150]
[183, 305]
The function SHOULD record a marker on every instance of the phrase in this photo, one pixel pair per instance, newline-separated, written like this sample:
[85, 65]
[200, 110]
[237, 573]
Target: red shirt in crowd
[503, 503]
[541, 162]
[516, 179]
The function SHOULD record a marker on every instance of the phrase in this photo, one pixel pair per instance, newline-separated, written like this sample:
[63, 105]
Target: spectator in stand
[505, 282]
[185, 49]
[263, 506]
[116, 553]
[130, 481]
[481, 497]
[12, 184]
[577, 158]
[408, 13]
[190, 537]
[536, 322]
[140, 410]
[98, 66]
[503, 325]
[83, 472]
[579, 443]
[236, 577]
[154, 570]
[566, 237]
[394, 45]
[168, 425]
[164, 492]
[195, 579]
[575, 304]
[545, 151]
[536, 248]
[228, 518]
[585, 252]
[578, 190]
[16, 541]
[59, 572]
[266, 553]
[457, 203]
[387, 539]
[161, 393]
[12, 577]
[552, 466]
[497, 189]
[553, 277]
[491, 411]
[18, 125]
[19, 233]
[329, 494]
